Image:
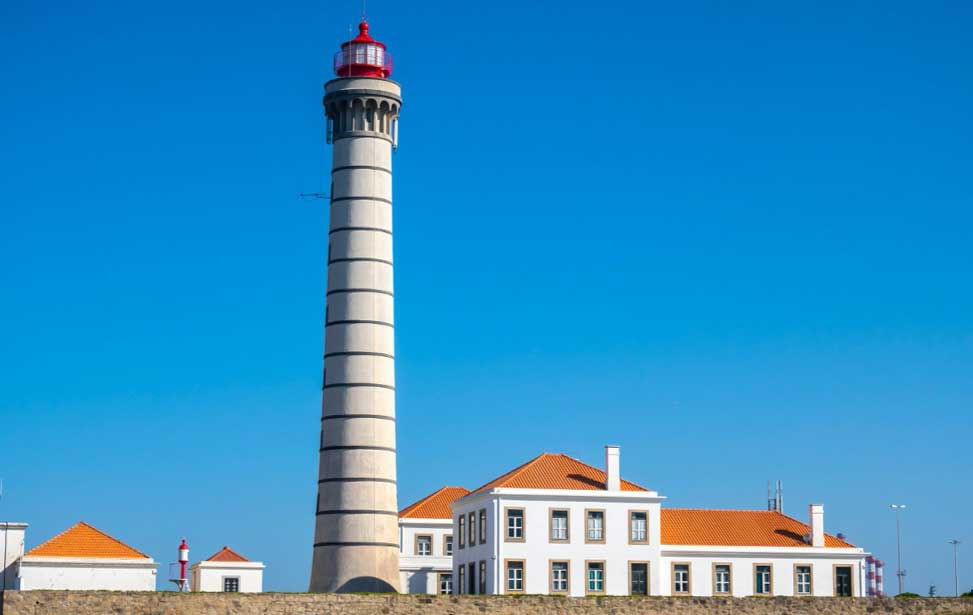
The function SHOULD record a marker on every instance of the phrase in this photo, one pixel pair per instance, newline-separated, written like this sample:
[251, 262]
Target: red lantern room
[363, 56]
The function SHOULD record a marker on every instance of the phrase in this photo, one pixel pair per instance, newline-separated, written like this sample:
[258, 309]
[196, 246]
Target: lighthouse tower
[356, 545]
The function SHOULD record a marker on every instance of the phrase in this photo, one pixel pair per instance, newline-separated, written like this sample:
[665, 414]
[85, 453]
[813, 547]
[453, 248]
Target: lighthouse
[356, 545]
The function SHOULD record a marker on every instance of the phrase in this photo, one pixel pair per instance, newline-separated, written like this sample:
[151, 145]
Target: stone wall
[169, 603]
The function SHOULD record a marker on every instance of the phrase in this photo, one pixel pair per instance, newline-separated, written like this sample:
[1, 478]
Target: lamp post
[898, 508]
[956, 543]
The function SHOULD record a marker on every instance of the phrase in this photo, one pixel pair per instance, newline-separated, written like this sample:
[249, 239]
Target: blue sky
[733, 238]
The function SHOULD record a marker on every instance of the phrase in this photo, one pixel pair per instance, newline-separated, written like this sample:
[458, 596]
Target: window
[762, 580]
[445, 583]
[483, 537]
[423, 545]
[842, 581]
[638, 578]
[721, 579]
[462, 533]
[802, 579]
[680, 579]
[515, 524]
[472, 579]
[559, 525]
[596, 577]
[472, 529]
[638, 527]
[461, 585]
[448, 545]
[515, 576]
[482, 577]
[594, 526]
[559, 577]
[231, 584]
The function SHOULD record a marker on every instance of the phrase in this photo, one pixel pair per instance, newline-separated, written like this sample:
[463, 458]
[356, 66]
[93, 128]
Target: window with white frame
[231, 584]
[762, 580]
[423, 545]
[462, 535]
[446, 583]
[448, 547]
[595, 526]
[638, 526]
[483, 536]
[596, 577]
[515, 524]
[721, 578]
[680, 578]
[559, 577]
[482, 577]
[515, 575]
[802, 580]
[559, 525]
[472, 529]
[461, 579]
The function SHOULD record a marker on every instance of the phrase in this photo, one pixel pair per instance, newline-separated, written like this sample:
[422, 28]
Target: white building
[426, 543]
[227, 571]
[12, 545]
[556, 525]
[84, 557]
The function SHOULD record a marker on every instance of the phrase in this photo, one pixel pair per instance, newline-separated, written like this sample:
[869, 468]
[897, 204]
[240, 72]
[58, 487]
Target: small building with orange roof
[86, 558]
[227, 571]
[556, 525]
[426, 543]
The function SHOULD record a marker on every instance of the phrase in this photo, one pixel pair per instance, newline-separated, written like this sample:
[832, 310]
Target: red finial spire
[363, 56]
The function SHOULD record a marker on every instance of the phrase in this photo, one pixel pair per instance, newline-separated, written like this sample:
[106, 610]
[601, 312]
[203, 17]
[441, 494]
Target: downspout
[496, 548]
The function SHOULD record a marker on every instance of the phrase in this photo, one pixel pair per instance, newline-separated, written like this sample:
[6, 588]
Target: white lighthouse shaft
[356, 535]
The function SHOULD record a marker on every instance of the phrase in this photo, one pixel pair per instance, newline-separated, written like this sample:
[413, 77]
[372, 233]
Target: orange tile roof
[736, 528]
[83, 540]
[226, 554]
[435, 505]
[555, 471]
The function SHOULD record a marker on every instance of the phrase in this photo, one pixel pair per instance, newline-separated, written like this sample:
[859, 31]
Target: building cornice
[737, 551]
[86, 562]
[647, 497]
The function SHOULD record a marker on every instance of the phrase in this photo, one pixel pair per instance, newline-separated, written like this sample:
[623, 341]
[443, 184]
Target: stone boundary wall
[170, 603]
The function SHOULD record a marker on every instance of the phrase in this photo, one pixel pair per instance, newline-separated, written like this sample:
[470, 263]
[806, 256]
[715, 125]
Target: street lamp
[956, 544]
[898, 508]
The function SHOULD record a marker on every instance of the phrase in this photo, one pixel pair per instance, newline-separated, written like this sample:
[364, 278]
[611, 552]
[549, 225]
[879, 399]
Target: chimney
[613, 478]
[816, 521]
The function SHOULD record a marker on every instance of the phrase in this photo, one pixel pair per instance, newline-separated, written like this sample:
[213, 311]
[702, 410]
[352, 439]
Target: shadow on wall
[366, 585]
[419, 582]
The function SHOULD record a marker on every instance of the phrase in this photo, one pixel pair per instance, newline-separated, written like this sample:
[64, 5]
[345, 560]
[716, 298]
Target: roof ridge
[417, 504]
[513, 473]
[56, 536]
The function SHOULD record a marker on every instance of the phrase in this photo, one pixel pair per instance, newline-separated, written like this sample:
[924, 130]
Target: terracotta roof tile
[226, 554]
[736, 528]
[83, 540]
[555, 471]
[435, 505]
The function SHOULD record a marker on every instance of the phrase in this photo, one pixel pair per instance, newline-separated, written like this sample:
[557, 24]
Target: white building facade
[227, 571]
[426, 543]
[558, 526]
[12, 545]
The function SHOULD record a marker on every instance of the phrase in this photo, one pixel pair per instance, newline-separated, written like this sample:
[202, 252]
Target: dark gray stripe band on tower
[357, 480]
[360, 259]
[353, 353]
[334, 385]
[380, 417]
[360, 228]
[361, 198]
[357, 512]
[360, 322]
[356, 544]
[360, 290]
[355, 447]
[360, 167]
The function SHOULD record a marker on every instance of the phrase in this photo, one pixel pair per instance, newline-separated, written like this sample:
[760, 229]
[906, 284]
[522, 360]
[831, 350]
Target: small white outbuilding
[227, 571]
[85, 558]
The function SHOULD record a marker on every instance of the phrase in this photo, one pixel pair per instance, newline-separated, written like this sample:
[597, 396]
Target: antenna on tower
[363, 10]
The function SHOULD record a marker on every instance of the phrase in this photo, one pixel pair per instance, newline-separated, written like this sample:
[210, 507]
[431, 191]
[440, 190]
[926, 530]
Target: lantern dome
[363, 56]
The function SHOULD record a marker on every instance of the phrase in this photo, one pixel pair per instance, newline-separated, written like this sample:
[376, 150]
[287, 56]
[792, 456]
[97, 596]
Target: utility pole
[898, 508]
[956, 543]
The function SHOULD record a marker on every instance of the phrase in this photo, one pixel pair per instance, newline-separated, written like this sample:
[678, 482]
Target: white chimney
[613, 477]
[816, 515]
